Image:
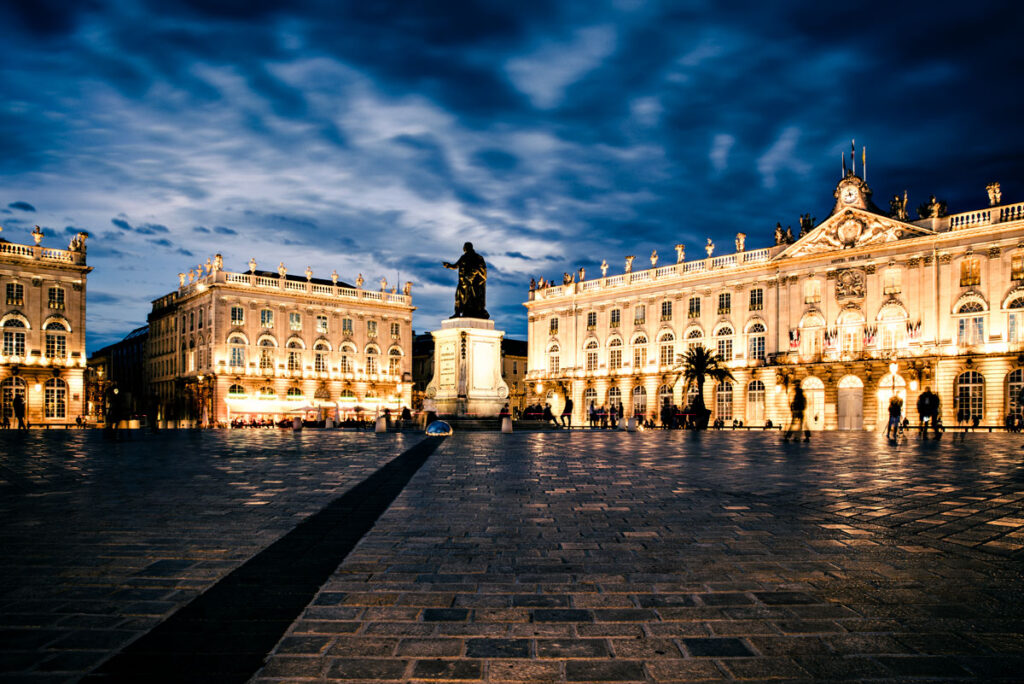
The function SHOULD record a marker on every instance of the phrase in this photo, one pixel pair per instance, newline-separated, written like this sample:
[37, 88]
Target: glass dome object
[439, 428]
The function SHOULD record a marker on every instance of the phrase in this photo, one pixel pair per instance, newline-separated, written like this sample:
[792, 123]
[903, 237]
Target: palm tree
[700, 364]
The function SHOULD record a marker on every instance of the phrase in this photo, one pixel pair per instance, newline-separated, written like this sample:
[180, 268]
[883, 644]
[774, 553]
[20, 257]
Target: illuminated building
[837, 309]
[42, 359]
[228, 345]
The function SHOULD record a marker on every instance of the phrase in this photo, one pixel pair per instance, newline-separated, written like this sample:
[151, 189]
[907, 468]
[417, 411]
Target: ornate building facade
[272, 345]
[860, 306]
[43, 323]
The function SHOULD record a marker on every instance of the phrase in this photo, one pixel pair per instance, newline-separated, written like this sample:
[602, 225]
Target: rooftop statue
[471, 293]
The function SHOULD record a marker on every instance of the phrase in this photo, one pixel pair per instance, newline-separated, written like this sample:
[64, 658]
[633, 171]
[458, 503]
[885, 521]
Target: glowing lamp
[893, 368]
[539, 388]
[39, 388]
[913, 385]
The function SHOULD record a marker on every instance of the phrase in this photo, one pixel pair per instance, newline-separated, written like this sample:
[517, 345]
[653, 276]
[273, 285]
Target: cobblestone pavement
[100, 540]
[536, 557]
[675, 557]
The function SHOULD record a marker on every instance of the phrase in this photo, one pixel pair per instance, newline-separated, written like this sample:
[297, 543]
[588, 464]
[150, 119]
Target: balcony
[54, 304]
[756, 307]
[15, 301]
[613, 324]
[694, 314]
[666, 317]
[724, 310]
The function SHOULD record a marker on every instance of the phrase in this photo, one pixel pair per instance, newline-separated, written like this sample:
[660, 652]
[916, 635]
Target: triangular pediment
[852, 228]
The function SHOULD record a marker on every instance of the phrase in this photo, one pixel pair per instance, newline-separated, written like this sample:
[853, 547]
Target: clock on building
[849, 194]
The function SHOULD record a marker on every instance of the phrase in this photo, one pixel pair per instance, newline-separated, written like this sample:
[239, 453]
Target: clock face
[849, 194]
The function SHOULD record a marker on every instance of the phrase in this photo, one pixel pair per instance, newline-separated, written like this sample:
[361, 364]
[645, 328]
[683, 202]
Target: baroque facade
[272, 345]
[43, 324]
[863, 305]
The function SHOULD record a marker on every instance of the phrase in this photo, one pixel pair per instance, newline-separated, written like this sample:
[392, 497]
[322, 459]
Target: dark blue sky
[375, 137]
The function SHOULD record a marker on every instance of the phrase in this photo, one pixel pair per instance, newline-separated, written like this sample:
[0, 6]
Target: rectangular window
[321, 324]
[694, 307]
[294, 360]
[237, 315]
[320, 362]
[970, 272]
[396, 331]
[553, 363]
[266, 358]
[201, 318]
[724, 303]
[1013, 328]
[237, 356]
[15, 294]
[1017, 267]
[725, 349]
[640, 315]
[553, 326]
[970, 330]
[295, 321]
[395, 365]
[614, 318]
[891, 281]
[591, 360]
[666, 310]
[591, 320]
[515, 367]
[56, 297]
[371, 364]
[812, 292]
[14, 343]
[56, 346]
[267, 318]
[371, 328]
[615, 358]
[346, 326]
[757, 347]
[756, 299]
[668, 355]
[346, 363]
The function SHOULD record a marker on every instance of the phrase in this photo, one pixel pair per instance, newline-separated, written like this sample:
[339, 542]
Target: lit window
[267, 318]
[553, 326]
[614, 318]
[395, 362]
[694, 338]
[321, 324]
[371, 360]
[591, 320]
[724, 343]
[371, 328]
[667, 350]
[14, 340]
[396, 331]
[237, 315]
[15, 294]
[346, 326]
[812, 292]
[723, 401]
[591, 355]
[56, 345]
[694, 307]
[295, 321]
[56, 398]
[640, 315]
[970, 272]
[1017, 267]
[56, 297]
[891, 281]
[639, 352]
[756, 299]
[969, 396]
[236, 346]
[666, 310]
[615, 354]
[724, 303]
[553, 360]
[756, 342]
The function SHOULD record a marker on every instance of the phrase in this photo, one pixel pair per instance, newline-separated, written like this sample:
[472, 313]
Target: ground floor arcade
[51, 395]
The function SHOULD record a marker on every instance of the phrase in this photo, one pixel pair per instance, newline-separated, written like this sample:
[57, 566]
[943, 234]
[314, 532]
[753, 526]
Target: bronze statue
[470, 295]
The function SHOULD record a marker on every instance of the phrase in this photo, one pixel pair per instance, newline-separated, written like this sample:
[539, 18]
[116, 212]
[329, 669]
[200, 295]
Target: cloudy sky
[376, 137]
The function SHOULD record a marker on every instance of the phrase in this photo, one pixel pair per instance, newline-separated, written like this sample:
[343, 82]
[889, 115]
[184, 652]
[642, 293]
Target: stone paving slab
[673, 557]
[102, 540]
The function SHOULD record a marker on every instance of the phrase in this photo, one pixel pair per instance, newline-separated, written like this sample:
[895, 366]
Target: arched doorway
[814, 390]
[888, 386]
[851, 403]
[755, 403]
[12, 387]
[639, 401]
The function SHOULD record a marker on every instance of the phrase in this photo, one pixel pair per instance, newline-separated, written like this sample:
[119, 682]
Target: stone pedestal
[467, 379]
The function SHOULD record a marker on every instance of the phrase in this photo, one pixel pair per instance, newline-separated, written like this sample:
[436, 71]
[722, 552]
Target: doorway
[851, 403]
[814, 390]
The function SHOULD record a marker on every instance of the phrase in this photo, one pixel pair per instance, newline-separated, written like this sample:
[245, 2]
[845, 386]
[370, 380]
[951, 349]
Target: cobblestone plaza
[584, 556]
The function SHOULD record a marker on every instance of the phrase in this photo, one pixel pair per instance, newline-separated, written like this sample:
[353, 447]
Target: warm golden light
[39, 388]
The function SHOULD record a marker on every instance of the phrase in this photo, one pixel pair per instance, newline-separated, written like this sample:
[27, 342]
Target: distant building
[121, 366]
[253, 344]
[43, 322]
[862, 306]
[513, 369]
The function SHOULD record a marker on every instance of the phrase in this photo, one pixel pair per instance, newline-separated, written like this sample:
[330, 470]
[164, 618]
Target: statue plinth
[467, 380]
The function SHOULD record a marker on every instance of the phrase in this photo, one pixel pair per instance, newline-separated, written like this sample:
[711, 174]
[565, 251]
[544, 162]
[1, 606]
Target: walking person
[567, 413]
[592, 414]
[928, 410]
[797, 408]
[892, 429]
[19, 411]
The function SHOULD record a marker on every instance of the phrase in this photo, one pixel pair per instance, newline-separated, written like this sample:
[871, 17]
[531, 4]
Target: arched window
[348, 353]
[851, 332]
[347, 394]
[639, 401]
[615, 354]
[723, 342]
[267, 392]
[755, 402]
[294, 394]
[970, 396]
[553, 359]
[665, 395]
[639, 352]
[56, 340]
[395, 362]
[694, 338]
[56, 399]
[589, 397]
[320, 351]
[267, 345]
[236, 392]
[614, 397]
[970, 324]
[1014, 384]
[812, 329]
[755, 342]
[294, 355]
[372, 364]
[590, 348]
[14, 337]
[892, 327]
[236, 350]
[1015, 320]
[10, 388]
[667, 349]
[723, 401]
